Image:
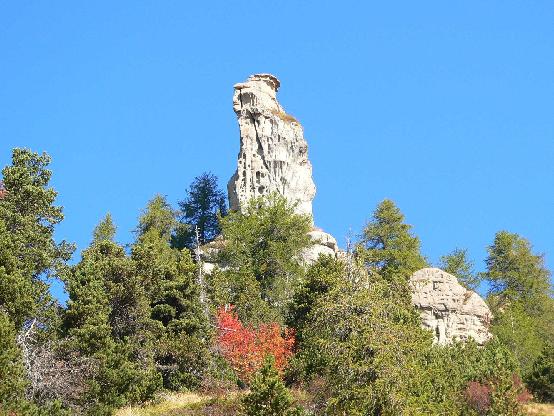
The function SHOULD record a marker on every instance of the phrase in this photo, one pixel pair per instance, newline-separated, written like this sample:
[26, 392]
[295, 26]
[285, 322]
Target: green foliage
[12, 372]
[203, 203]
[388, 248]
[239, 287]
[168, 276]
[520, 297]
[370, 341]
[105, 230]
[324, 276]
[541, 379]
[268, 395]
[28, 252]
[266, 240]
[157, 217]
[29, 256]
[458, 264]
[107, 319]
[515, 273]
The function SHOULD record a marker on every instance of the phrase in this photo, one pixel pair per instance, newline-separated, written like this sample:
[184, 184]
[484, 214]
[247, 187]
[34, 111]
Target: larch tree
[457, 263]
[520, 296]
[388, 247]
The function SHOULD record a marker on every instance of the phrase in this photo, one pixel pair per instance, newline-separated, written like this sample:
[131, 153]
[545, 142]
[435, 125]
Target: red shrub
[523, 395]
[478, 396]
[245, 348]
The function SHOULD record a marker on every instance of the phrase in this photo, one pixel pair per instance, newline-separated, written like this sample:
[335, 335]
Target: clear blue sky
[445, 107]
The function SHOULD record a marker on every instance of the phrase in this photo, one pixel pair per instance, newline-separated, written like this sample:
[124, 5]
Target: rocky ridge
[273, 157]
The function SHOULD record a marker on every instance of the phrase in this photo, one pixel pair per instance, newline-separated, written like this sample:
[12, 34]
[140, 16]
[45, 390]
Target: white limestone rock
[273, 154]
[448, 309]
[323, 244]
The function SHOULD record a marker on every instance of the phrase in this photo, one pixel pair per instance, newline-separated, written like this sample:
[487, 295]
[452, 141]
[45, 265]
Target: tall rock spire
[273, 154]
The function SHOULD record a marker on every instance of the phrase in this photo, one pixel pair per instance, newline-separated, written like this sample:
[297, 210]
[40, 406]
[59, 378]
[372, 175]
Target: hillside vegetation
[148, 331]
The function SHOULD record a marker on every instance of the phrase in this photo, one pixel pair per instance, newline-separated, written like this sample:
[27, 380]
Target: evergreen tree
[266, 240]
[12, 373]
[169, 278]
[199, 210]
[105, 230]
[29, 257]
[541, 380]
[241, 289]
[107, 319]
[388, 248]
[458, 264]
[322, 277]
[515, 273]
[268, 395]
[28, 253]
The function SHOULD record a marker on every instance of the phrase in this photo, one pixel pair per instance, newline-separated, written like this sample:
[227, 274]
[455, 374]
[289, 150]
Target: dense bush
[541, 379]
[245, 348]
[268, 395]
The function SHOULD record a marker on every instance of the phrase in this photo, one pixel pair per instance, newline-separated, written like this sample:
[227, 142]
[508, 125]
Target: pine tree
[199, 211]
[107, 319]
[12, 373]
[28, 253]
[105, 230]
[324, 276]
[29, 257]
[168, 276]
[268, 395]
[541, 379]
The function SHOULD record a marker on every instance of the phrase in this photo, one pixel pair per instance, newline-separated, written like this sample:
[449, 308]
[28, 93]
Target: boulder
[448, 309]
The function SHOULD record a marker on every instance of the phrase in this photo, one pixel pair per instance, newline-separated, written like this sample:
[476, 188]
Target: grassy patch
[186, 404]
[285, 117]
[538, 409]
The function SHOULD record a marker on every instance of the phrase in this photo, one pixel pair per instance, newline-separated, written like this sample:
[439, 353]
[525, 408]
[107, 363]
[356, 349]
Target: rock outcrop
[448, 309]
[273, 156]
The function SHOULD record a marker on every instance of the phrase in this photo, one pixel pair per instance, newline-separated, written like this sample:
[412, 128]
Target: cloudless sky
[445, 107]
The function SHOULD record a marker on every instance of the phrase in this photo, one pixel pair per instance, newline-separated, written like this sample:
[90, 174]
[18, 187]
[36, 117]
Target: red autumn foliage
[245, 348]
[478, 396]
[523, 395]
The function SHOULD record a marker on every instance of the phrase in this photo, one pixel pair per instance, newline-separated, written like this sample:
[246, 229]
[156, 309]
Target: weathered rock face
[273, 154]
[323, 244]
[448, 309]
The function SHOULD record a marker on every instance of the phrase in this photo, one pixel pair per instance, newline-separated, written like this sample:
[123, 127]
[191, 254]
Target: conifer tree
[28, 253]
[107, 319]
[388, 247]
[458, 264]
[324, 276]
[29, 257]
[199, 212]
[541, 379]
[169, 278]
[268, 395]
[266, 240]
[105, 230]
[12, 373]
[520, 296]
